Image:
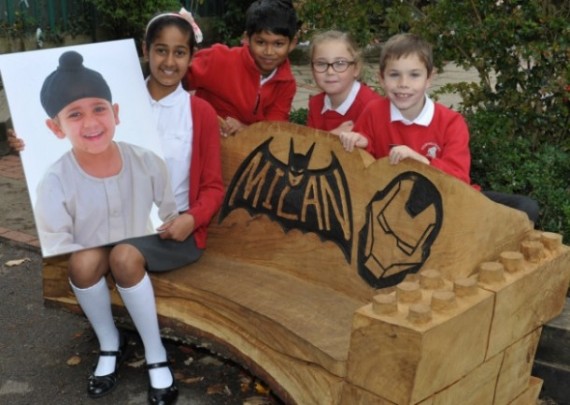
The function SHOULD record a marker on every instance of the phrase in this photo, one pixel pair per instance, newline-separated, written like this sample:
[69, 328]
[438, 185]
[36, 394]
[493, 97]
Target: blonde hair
[401, 45]
[334, 35]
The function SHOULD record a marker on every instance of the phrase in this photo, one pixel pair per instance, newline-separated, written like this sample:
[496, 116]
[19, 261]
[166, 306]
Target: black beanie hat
[71, 81]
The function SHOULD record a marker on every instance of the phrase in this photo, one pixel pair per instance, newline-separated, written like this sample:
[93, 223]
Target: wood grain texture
[283, 288]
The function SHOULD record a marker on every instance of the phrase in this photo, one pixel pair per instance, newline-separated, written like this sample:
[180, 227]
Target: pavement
[46, 354]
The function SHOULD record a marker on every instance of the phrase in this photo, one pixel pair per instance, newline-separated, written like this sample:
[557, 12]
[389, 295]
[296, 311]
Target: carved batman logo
[402, 222]
[294, 195]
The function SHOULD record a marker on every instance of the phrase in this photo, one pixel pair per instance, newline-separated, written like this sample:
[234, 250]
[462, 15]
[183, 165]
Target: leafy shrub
[299, 116]
[362, 18]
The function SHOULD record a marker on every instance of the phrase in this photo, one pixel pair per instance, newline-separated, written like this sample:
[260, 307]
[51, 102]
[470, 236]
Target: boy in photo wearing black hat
[97, 194]
[87, 197]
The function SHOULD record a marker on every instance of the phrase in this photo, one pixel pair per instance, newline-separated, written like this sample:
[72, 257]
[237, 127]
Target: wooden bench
[339, 279]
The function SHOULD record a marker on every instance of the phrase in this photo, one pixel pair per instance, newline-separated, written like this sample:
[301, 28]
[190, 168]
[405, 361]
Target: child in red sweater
[252, 82]
[336, 67]
[409, 125]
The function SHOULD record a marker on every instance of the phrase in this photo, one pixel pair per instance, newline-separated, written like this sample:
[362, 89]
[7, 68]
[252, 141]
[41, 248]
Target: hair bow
[187, 15]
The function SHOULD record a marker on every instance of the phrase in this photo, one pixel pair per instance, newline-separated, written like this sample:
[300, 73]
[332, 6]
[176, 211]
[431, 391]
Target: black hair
[161, 21]
[275, 16]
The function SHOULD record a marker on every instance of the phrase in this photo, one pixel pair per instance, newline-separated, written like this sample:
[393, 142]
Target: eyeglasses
[338, 66]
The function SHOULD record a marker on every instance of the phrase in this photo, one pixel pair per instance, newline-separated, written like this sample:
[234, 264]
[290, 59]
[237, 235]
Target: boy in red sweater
[409, 125]
[252, 82]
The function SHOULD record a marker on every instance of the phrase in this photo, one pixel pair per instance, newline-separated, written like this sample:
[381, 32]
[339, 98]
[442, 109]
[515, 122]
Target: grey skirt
[165, 254]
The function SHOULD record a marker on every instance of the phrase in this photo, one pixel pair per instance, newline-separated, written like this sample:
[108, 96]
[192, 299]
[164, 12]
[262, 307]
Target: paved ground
[46, 354]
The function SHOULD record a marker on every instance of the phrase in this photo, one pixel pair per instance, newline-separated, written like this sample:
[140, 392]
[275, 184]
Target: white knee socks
[139, 301]
[95, 301]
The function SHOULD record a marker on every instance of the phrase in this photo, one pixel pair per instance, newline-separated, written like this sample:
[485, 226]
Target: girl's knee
[127, 265]
[86, 267]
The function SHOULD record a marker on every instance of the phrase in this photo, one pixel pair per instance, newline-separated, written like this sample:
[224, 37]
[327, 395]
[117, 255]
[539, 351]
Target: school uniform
[323, 116]
[230, 81]
[438, 133]
[75, 210]
[190, 139]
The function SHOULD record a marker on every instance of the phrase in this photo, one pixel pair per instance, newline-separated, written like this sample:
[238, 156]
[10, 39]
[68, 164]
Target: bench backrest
[297, 202]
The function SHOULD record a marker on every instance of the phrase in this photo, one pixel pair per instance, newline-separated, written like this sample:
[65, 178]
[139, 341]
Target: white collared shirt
[424, 117]
[346, 104]
[174, 124]
[264, 80]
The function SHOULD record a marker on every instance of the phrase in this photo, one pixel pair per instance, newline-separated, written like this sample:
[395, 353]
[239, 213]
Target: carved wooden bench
[339, 279]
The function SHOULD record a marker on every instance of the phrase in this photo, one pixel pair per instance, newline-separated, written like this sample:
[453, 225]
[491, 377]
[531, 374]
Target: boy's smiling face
[270, 50]
[89, 124]
[405, 81]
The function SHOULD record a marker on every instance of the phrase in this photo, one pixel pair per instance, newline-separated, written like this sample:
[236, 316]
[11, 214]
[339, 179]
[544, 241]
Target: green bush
[362, 18]
[299, 116]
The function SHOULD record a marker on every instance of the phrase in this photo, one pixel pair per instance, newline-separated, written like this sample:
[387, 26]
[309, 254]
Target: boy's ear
[145, 52]
[116, 113]
[381, 79]
[55, 128]
[431, 78]
[293, 43]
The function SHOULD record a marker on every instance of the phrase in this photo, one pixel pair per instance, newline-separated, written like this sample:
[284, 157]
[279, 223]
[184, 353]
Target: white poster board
[23, 75]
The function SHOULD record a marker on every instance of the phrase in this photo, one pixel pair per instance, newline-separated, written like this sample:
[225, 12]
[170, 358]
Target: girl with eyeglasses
[336, 67]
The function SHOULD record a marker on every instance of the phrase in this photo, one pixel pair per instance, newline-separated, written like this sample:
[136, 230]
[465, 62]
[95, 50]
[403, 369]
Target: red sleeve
[366, 126]
[313, 116]
[206, 184]
[281, 107]
[199, 68]
[455, 156]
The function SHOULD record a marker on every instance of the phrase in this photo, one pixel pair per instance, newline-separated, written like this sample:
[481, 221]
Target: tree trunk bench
[339, 279]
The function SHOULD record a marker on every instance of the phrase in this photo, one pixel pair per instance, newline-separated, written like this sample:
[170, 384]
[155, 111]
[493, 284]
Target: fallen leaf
[17, 262]
[210, 361]
[218, 389]
[191, 380]
[245, 384]
[257, 400]
[261, 389]
[73, 361]
[136, 363]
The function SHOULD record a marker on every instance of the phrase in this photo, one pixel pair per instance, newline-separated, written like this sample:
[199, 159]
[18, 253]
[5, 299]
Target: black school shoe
[162, 396]
[98, 386]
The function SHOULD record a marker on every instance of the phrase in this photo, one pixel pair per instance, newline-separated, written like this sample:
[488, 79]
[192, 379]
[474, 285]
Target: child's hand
[350, 140]
[344, 127]
[230, 126]
[178, 229]
[15, 143]
[401, 152]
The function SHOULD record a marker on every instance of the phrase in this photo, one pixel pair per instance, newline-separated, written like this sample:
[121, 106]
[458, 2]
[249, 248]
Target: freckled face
[405, 81]
[168, 56]
[270, 50]
[88, 123]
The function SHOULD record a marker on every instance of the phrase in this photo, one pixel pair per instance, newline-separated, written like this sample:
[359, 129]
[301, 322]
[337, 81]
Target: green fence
[72, 15]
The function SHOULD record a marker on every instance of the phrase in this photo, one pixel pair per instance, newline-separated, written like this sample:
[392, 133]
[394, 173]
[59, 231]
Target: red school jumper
[332, 119]
[229, 80]
[445, 141]
[206, 185]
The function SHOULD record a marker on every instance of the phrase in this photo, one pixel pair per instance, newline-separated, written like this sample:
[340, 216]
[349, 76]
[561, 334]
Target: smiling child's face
[405, 81]
[270, 50]
[169, 56]
[89, 124]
